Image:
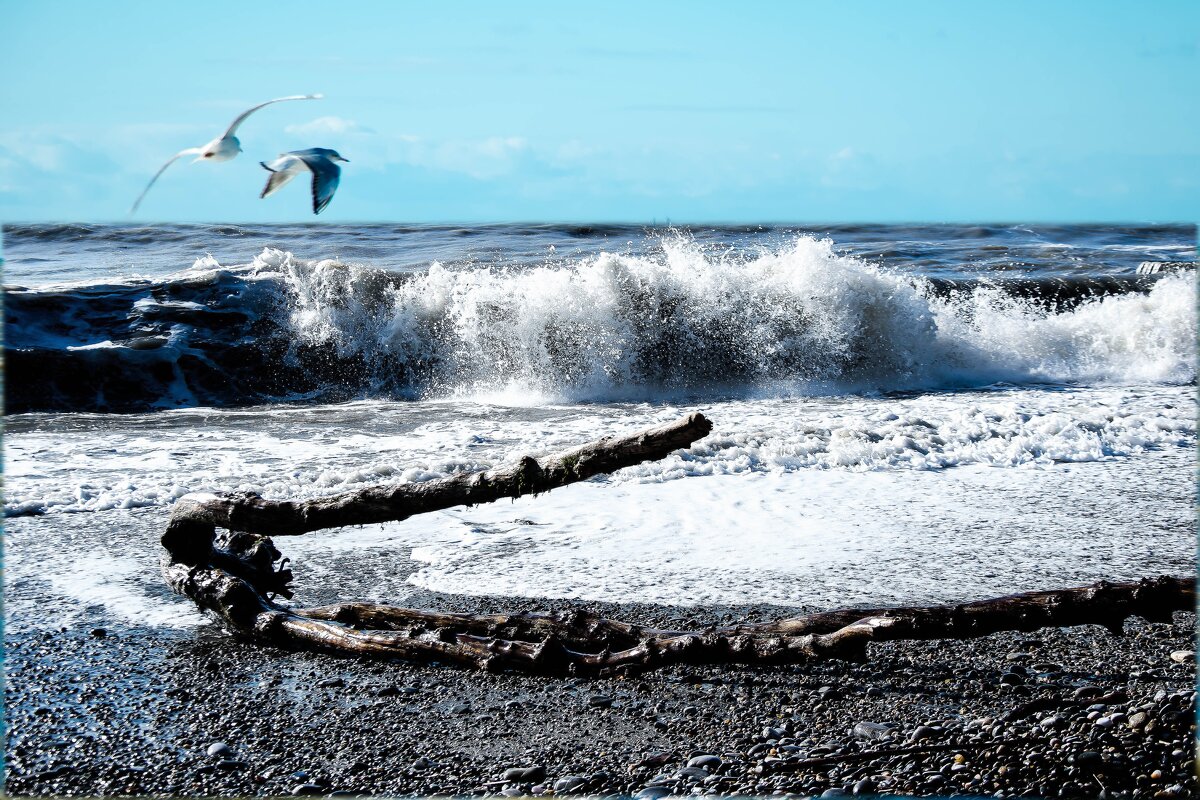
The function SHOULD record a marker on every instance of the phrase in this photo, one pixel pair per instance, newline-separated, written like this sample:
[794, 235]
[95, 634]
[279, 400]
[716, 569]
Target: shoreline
[136, 710]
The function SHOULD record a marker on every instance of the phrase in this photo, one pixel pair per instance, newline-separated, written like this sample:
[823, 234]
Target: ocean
[902, 413]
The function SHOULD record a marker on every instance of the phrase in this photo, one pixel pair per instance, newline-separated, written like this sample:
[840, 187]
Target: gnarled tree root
[233, 574]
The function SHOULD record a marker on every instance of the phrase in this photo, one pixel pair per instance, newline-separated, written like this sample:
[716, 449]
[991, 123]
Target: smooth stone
[1183, 656]
[1137, 720]
[308, 788]
[692, 773]
[653, 792]
[524, 774]
[330, 683]
[865, 786]
[923, 732]
[600, 701]
[873, 731]
[569, 783]
[219, 750]
[1049, 722]
[708, 762]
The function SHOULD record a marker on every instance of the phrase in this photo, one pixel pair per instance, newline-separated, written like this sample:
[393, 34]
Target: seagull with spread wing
[321, 161]
[223, 148]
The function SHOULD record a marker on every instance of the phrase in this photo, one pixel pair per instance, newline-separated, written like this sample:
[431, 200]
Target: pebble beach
[1056, 713]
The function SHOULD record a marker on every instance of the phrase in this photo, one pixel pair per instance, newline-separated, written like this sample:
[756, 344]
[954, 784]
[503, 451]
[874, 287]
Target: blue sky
[614, 111]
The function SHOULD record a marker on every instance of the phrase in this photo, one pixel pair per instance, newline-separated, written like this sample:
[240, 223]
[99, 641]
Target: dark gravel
[1074, 713]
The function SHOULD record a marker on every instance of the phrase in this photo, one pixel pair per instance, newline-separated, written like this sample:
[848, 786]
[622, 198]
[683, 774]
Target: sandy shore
[1056, 713]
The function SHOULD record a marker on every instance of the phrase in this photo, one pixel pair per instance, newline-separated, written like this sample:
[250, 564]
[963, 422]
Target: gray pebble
[600, 701]
[865, 786]
[569, 783]
[219, 750]
[873, 731]
[923, 732]
[708, 762]
[524, 774]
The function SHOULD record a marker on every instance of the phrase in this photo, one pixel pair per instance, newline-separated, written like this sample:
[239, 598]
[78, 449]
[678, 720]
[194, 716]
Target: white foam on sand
[139, 461]
[826, 538]
[823, 501]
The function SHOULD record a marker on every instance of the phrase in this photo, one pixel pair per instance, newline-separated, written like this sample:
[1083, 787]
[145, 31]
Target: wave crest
[801, 319]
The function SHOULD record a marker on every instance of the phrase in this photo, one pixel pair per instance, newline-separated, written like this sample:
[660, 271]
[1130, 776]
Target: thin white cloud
[482, 159]
[327, 126]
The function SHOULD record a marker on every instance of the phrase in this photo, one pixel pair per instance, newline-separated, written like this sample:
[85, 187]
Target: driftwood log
[219, 555]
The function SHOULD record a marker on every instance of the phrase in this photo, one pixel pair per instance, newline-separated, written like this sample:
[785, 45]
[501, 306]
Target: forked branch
[232, 573]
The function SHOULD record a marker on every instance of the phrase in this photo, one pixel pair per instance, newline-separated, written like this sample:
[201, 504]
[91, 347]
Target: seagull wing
[326, 175]
[191, 151]
[242, 117]
[282, 170]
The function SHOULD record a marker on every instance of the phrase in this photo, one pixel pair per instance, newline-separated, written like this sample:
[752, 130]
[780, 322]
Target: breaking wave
[797, 320]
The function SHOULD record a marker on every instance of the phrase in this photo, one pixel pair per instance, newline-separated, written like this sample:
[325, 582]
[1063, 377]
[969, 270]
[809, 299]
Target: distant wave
[798, 319]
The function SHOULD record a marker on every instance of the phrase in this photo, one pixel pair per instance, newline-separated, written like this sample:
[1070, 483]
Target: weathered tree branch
[233, 574]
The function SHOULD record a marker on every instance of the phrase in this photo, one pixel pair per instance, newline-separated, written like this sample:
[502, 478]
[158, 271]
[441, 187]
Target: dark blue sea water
[40, 254]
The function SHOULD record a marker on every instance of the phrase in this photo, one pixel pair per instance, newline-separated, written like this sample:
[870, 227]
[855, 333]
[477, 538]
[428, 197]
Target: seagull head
[335, 156]
[222, 149]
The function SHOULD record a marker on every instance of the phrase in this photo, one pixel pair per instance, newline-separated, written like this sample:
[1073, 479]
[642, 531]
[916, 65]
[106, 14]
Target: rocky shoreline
[1056, 713]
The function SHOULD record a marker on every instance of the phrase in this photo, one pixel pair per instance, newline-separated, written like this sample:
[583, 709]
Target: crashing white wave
[799, 320]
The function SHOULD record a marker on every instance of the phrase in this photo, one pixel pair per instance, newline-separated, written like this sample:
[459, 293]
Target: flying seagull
[223, 148]
[321, 161]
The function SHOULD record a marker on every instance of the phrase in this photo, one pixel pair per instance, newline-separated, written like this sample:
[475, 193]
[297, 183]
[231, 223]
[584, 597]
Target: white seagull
[321, 161]
[224, 147]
